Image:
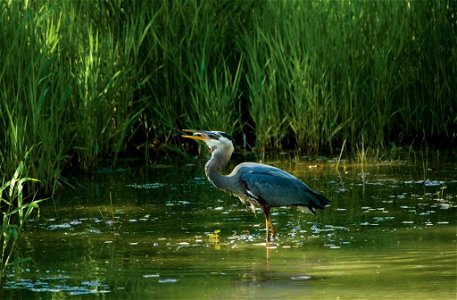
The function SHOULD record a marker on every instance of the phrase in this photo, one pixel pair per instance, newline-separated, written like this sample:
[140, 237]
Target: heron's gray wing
[276, 187]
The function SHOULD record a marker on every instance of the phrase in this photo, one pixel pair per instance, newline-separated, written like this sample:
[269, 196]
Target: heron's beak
[199, 135]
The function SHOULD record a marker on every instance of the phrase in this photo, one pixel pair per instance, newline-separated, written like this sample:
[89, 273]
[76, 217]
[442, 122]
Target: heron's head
[217, 141]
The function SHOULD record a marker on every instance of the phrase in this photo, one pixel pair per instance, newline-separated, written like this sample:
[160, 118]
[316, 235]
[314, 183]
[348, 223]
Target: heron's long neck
[213, 169]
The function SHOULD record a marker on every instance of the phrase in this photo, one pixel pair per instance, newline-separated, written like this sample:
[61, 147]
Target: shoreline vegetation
[85, 80]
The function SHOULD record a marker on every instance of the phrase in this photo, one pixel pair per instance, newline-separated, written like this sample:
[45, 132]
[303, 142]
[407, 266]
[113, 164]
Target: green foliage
[329, 71]
[15, 211]
[82, 80]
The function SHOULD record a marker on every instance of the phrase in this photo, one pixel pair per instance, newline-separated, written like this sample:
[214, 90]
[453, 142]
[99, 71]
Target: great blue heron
[255, 184]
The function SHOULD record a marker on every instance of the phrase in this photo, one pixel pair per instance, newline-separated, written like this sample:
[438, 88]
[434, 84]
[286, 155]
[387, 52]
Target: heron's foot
[271, 238]
[271, 243]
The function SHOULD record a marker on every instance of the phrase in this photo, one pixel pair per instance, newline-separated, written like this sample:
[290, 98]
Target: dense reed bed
[82, 80]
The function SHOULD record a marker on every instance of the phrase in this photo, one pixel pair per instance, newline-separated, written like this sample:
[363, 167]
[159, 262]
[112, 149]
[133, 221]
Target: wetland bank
[92, 84]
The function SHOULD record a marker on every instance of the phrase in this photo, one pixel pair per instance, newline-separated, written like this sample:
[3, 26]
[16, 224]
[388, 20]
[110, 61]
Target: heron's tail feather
[316, 200]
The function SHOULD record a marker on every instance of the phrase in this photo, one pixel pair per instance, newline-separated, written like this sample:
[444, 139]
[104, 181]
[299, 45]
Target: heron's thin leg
[273, 231]
[268, 224]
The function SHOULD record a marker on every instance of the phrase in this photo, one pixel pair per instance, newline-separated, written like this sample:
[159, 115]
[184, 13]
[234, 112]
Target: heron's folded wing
[278, 188]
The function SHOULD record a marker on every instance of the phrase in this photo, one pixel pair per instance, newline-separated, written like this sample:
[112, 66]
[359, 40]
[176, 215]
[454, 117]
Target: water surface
[164, 232]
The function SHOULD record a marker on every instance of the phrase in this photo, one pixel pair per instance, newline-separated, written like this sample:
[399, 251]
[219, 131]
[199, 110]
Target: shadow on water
[165, 232]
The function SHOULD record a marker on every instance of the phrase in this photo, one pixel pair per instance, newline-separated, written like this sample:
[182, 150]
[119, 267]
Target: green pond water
[164, 232]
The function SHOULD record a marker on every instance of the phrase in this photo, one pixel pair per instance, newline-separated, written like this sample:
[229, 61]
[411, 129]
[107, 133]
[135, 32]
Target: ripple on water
[146, 186]
[168, 280]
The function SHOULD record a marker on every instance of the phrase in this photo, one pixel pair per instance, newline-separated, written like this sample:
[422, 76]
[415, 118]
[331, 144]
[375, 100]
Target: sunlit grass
[347, 70]
[15, 210]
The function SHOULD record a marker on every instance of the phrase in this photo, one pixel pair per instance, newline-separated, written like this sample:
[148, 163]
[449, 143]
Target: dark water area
[164, 232]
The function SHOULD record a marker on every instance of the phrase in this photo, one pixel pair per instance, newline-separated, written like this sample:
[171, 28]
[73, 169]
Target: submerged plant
[15, 212]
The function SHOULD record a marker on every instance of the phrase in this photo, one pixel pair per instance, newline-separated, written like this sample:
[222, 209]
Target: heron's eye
[214, 135]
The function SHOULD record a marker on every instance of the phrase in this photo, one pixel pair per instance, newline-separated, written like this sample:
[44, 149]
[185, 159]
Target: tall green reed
[214, 98]
[67, 89]
[264, 104]
[33, 95]
[105, 78]
[15, 210]
[195, 70]
[344, 70]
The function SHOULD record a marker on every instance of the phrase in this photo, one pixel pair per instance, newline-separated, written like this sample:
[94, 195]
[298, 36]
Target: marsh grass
[84, 80]
[220, 113]
[33, 96]
[342, 70]
[15, 210]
